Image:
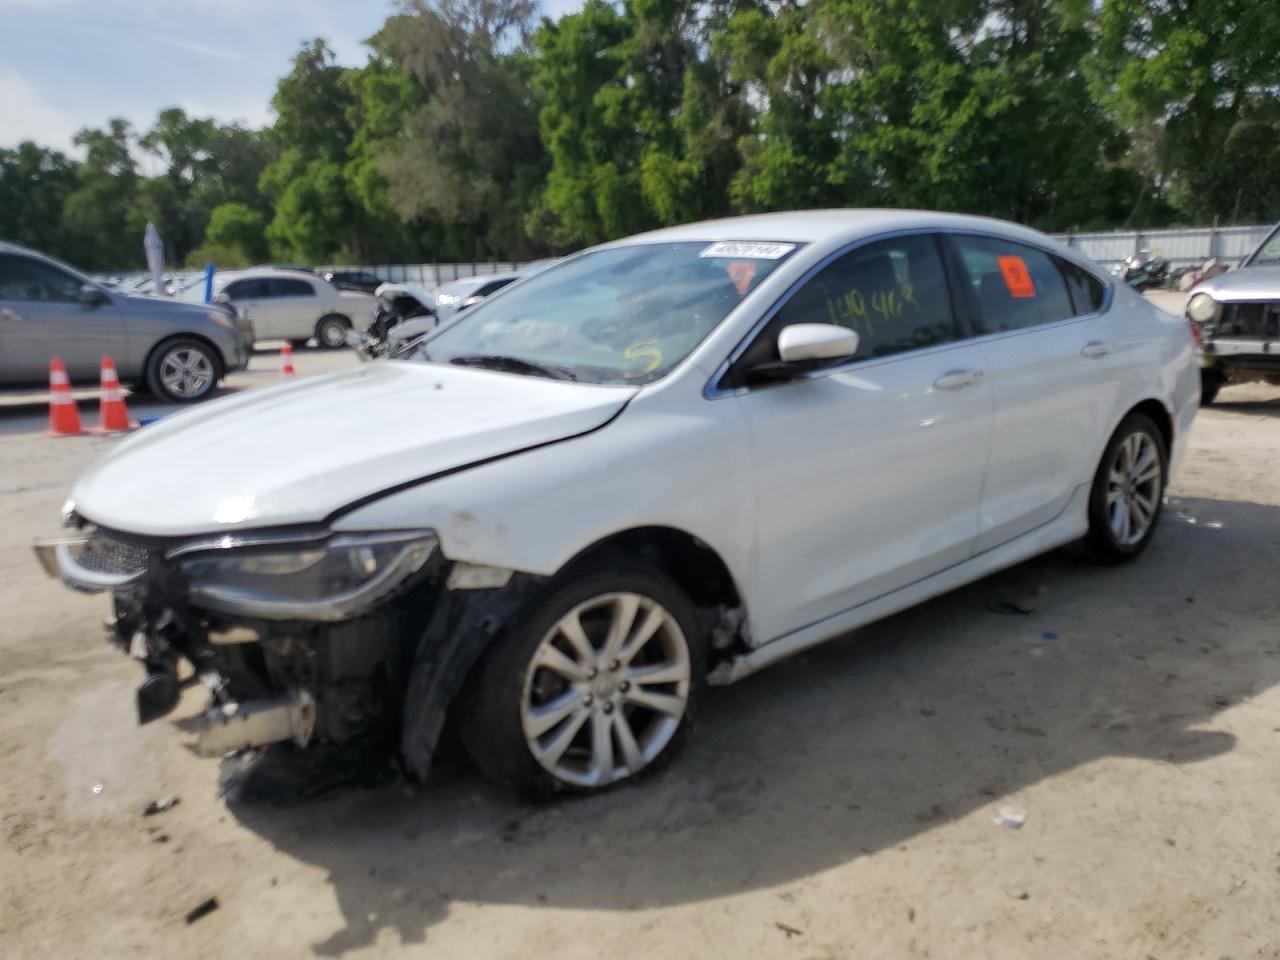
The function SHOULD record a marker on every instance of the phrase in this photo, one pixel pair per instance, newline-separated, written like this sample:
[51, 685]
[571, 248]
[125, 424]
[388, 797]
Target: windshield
[1268, 251]
[623, 315]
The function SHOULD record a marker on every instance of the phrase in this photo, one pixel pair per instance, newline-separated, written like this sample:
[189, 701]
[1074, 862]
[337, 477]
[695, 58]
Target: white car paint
[832, 500]
[294, 317]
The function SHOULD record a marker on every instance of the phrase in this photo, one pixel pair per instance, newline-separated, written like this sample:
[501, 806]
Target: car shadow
[857, 746]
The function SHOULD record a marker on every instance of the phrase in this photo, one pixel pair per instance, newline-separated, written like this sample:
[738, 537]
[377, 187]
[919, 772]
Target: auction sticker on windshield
[747, 249]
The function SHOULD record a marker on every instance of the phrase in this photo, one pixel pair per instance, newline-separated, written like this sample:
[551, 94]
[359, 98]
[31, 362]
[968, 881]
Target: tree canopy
[478, 129]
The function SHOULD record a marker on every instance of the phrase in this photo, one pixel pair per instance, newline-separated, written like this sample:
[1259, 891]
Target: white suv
[296, 305]
[663, 463]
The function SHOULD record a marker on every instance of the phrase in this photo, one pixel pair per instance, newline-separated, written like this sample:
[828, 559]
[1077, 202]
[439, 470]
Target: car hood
[1249, 283]
[299, 452]
[139, 304]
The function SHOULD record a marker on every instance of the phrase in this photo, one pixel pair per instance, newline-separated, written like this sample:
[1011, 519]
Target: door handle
[1095, 348]
[955, 379]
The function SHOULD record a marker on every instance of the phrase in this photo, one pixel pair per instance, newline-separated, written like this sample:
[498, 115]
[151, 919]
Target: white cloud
[26, 115]
[205, 49]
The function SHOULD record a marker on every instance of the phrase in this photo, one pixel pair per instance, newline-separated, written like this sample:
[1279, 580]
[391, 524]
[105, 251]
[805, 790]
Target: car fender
[533, 512]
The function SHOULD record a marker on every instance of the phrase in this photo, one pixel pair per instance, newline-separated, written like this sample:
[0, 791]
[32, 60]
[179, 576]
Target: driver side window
[892, 293]
[22, 278]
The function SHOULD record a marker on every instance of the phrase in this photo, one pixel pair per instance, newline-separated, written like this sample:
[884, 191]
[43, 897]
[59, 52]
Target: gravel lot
[837, 805]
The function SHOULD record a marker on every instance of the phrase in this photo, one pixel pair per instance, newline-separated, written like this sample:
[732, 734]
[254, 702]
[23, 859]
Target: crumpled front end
[307, 637]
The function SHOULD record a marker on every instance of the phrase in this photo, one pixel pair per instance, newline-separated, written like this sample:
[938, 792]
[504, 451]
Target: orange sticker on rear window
[1016, 277]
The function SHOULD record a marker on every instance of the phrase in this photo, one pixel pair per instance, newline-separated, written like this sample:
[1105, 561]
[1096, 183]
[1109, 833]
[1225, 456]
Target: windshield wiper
[495, 361]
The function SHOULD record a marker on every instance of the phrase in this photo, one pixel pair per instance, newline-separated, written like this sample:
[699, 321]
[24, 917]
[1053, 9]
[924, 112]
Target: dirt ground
[838, 805]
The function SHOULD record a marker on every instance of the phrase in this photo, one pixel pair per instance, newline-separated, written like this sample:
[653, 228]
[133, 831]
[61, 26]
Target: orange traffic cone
[112, 413]
[286, 358]
[64, 415]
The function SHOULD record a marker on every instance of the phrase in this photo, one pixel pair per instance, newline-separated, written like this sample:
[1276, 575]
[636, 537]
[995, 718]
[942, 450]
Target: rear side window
[1087, 291]
[22, 278]
[892, 293]
[1015, 286]
[287, 287]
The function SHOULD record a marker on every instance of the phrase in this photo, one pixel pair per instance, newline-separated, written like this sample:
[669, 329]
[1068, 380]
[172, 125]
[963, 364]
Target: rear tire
[1128, 491]
[183, 370]
[331, 331]
[613, 712]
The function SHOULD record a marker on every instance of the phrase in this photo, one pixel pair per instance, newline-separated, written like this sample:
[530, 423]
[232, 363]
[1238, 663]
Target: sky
[67, 64]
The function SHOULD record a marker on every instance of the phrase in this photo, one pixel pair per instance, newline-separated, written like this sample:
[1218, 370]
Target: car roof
[827, 229]
[813, 226]
[255, 273]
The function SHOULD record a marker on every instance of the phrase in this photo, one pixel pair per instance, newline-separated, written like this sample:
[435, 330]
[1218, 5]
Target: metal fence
[1180, 247]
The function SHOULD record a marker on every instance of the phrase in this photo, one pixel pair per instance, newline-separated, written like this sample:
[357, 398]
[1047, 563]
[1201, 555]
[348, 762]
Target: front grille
[1256, 320]
[104, 554]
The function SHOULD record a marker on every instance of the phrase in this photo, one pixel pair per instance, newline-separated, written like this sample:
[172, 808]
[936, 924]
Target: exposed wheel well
[691, 563]
[334, 315]
[219, 362]
[1162, 418]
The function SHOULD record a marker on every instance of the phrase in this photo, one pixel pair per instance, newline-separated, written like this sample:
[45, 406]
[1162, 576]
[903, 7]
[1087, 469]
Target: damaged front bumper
[304, 637]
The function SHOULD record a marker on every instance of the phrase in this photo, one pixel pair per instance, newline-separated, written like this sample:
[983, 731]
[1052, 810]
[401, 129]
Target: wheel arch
[694, 565]
[331, 315]
[1159, 414]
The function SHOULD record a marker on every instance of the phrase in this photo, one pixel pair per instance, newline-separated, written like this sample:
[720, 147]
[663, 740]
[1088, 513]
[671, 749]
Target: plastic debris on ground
[202, 909]
[1011, 818]
[160, 806]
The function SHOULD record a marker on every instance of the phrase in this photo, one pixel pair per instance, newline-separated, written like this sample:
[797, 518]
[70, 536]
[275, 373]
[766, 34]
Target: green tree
[34, 185]
[314, 218]
[97, 214]
[235, 237]
[469, 160]
[1199, 82]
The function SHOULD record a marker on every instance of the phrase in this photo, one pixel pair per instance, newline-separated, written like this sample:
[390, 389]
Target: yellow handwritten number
[644, 350]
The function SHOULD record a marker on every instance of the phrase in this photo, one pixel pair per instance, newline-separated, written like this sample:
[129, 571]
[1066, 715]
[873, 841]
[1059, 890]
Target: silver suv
[178, 351]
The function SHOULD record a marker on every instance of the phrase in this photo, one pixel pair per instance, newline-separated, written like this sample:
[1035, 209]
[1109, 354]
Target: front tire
[1209, 387]
[594, 687]
[1128, 491]
[182, 370]
[331, 331]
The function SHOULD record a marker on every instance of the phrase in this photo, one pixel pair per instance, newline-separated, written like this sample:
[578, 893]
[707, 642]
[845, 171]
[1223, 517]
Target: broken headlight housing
[318, 579]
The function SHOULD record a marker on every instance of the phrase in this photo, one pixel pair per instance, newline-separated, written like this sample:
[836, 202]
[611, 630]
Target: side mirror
[804, 342]
[803, 347]
[91, 295]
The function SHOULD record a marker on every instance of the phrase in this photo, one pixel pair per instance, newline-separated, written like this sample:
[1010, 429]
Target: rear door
[296, 305]
[1041, 355]
[868, 474]
[41, 316]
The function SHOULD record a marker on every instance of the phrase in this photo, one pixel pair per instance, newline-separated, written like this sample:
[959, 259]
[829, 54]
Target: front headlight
[1202, 307]
[333, 579]
[221, 319]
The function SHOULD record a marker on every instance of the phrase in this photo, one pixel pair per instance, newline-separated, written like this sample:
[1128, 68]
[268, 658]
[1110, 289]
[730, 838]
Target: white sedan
[296, 305]
[663, 463]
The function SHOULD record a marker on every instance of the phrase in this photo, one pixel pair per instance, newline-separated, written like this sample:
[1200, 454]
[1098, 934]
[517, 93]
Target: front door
[42, 317]
[868, 474]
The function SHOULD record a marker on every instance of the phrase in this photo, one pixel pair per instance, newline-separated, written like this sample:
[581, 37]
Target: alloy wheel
[606, 689]
[186, 373]
[1133, 488]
